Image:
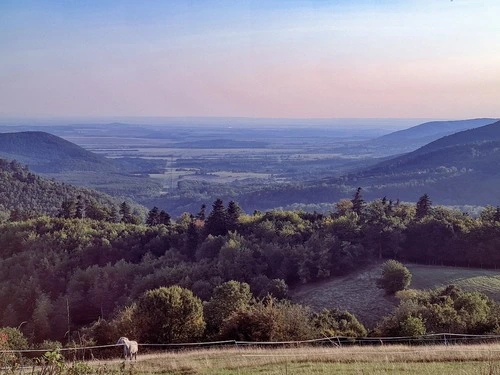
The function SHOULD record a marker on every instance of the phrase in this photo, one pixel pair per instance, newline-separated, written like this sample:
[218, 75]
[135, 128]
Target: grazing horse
[130, 348]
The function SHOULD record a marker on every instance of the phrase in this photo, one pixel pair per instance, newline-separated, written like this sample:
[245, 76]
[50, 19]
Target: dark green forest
[61, 274]
[24, 194]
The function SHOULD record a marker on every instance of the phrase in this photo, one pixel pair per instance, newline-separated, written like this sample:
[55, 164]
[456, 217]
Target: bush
[269, 320]
[335, 322]
[412, 326]
[448, 309]
[227, 298]
[169, 315]
[395, 277]
[11, 339]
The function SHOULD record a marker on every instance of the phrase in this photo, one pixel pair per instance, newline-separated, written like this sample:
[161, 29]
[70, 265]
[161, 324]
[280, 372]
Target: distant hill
[476, 148]
[359, 294]
[31, 194]
[417, 136]
[47, 153]
[457, 170]
[487, 133]
[55, 157]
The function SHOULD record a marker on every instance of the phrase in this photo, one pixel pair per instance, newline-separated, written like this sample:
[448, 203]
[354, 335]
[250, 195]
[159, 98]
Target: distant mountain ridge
[479, 148]
[417, 136]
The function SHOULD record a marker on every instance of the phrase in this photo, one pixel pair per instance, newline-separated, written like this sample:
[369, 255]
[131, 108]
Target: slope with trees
[24, 194]
[94, 268]
[55, 157]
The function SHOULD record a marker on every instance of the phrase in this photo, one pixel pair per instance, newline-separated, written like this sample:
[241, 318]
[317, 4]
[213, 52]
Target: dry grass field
[466, 359]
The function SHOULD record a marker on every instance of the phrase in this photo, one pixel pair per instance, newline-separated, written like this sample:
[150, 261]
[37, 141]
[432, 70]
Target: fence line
[447, 338]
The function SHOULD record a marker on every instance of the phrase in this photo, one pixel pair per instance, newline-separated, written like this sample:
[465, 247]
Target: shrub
[169, 314]
[395, 277]
[269, 320]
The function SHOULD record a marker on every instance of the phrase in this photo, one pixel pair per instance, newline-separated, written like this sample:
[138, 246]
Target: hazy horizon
[335, 123]
[430, 59]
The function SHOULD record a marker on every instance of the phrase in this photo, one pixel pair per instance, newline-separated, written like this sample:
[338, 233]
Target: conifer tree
[423, 207]
[233, 215]
[67, 209]
[358, 202]
[201, 214]
[216, 223]
[192, 239]
[153, 217]
[164, 218]
[114, 215]
[126, 213]
[80, 207]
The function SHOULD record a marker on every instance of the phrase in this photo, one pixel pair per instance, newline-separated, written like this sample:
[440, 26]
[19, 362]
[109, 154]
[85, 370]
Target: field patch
[358, 293]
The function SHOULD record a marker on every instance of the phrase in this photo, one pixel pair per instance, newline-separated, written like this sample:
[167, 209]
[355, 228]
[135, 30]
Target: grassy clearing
[358, 293]
[485, 281]
[477, 359]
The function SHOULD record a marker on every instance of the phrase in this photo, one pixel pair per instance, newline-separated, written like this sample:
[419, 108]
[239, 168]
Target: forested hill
[417, 136]
[54, 157]
[459, 169]
[47, 153]
[25, 194]
[482, 134]
[476, 148]
[95, 268]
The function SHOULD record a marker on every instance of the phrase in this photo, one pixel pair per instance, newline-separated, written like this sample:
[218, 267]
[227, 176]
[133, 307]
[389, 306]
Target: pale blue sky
[421, 58]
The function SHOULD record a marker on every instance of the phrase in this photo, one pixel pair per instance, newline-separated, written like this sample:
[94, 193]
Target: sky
[242, 58]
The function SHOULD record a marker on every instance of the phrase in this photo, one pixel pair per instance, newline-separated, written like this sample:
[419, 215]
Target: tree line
[52, 268]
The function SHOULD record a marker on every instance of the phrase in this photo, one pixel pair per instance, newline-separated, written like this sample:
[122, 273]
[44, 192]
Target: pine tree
[80, 207]
[126, 213]
[67, 209]
[233, 215]
[358, 202]
[216, 223]
[164, 218]
[153, 217]
[192, 239]
[201, 214]
[423, 207]
[114, 215]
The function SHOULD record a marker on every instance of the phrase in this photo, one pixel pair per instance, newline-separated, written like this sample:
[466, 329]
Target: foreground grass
[476, 359]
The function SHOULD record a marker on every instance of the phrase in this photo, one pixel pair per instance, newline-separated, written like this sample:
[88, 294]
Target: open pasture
[466, 359]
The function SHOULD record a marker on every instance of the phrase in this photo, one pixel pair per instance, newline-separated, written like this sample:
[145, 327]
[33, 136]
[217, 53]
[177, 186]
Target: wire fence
[111, 351]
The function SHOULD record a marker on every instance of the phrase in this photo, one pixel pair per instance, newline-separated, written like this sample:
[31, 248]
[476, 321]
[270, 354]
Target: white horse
[130, 348]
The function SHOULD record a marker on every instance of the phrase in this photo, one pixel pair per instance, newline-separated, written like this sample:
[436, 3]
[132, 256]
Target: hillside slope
[57, 158]
[359, 294]
[47, 153]
[30, 194]
[459, 169]
[419, 135]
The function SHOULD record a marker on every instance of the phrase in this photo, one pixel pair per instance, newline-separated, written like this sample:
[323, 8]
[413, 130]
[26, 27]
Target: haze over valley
[219, 187]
